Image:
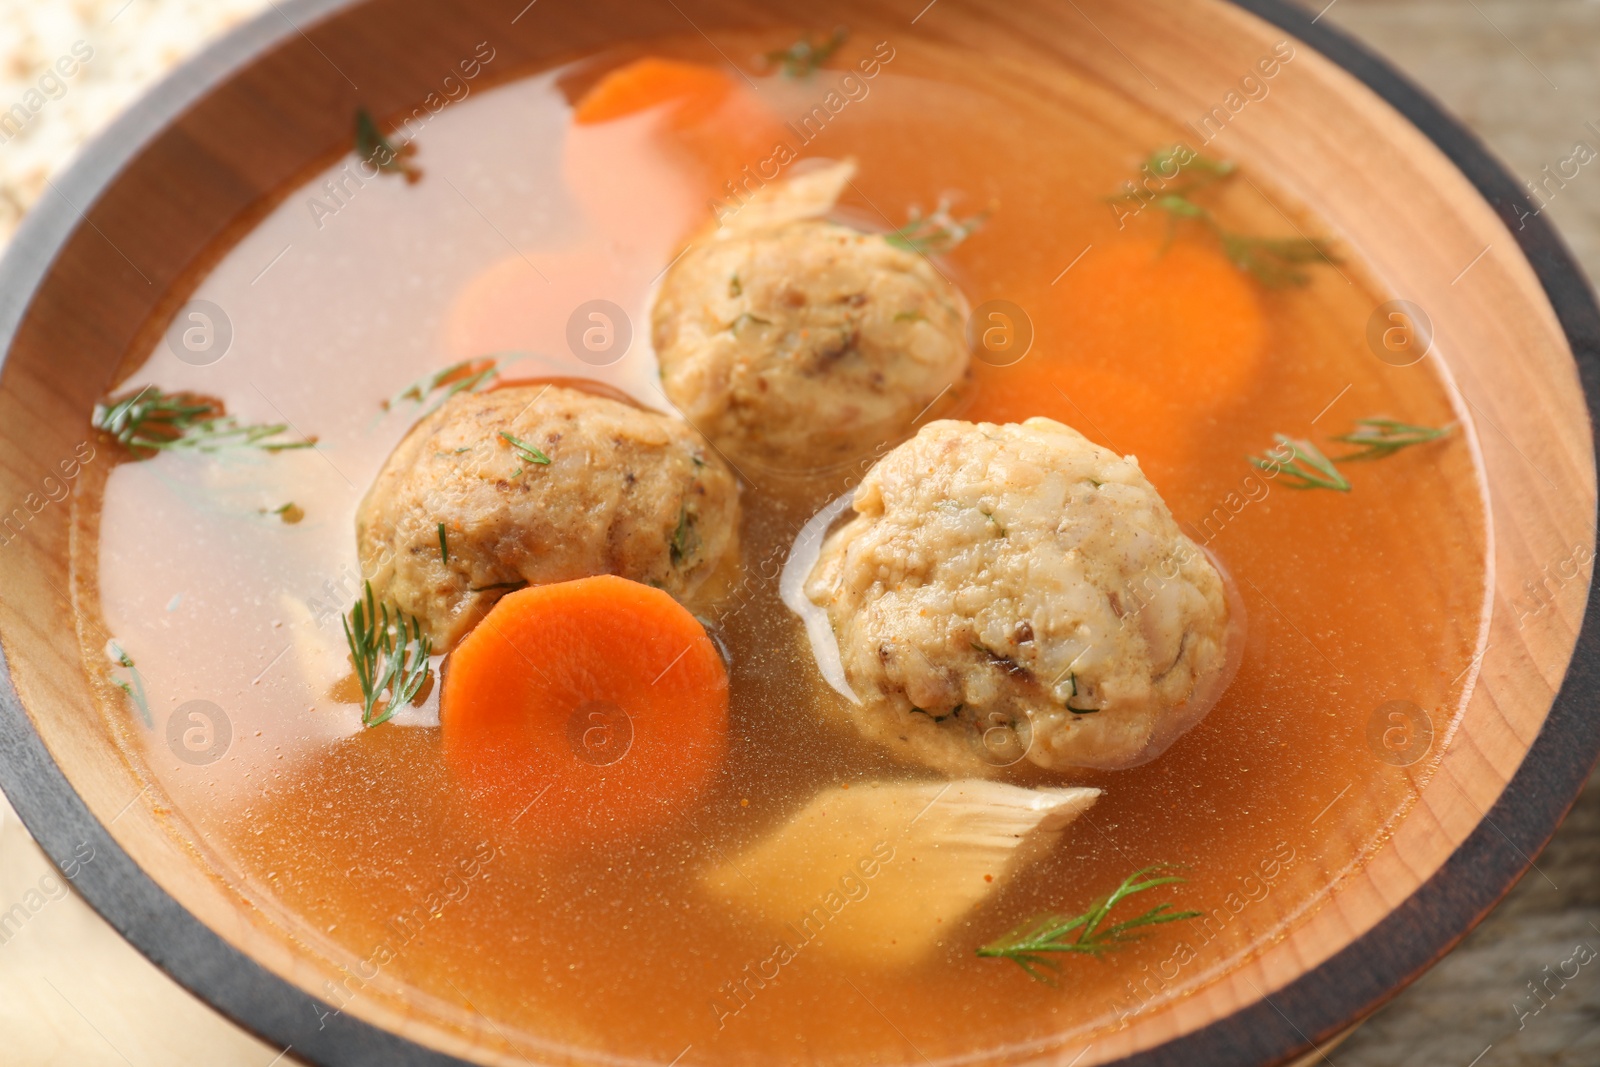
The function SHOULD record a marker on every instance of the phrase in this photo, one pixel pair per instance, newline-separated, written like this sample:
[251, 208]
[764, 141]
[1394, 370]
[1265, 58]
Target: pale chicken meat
[880, 873]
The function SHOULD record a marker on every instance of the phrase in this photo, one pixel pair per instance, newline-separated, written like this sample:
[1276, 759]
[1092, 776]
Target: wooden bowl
[100, 264]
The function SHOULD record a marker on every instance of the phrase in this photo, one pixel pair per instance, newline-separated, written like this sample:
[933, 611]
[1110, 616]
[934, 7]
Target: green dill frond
[467, 376]
[1275, 262]
[937, 233]
[150, 421]
[802, 58]
[390, 655]
[1037, 945]
[1302, 463]
[528, 453]
[376, 150]
[1380, 438]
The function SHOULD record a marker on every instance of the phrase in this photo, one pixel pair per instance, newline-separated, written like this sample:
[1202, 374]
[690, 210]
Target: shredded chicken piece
[880, 873]
[810, 195]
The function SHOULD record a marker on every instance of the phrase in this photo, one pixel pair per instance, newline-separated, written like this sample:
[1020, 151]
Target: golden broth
[361, 847]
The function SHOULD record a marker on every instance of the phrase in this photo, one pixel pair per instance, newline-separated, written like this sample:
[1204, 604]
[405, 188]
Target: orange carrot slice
[695, 90]
[1179, 316]
[1111, 409]
[712, 141]
[586, 710]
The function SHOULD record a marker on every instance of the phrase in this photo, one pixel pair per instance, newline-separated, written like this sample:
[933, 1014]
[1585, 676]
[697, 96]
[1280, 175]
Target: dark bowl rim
[1296, 1019]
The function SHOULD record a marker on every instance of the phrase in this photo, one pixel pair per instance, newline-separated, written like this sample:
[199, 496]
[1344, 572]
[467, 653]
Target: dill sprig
[529, 453]
[1380, 438]
[937, 233]
[134, 685]
[467, 376]
[1202, 171]
[374, 148]
[1374, 438]
[1031, 945]
[1273, 261]
[807, 54]
[151, 421]
[1303, 463]
[389, 654]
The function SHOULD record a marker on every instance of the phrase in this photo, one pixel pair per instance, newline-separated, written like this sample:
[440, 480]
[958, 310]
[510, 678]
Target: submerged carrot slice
[651, 82]
[1111, 409]
[1150, 343]
[1179, 316]
[585, 709]
[709, 140]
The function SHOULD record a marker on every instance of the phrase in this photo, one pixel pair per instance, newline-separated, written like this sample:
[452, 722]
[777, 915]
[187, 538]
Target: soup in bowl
[811, 545]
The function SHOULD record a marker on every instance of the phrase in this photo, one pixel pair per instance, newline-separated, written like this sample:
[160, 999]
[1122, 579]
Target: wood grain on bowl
[157, 218]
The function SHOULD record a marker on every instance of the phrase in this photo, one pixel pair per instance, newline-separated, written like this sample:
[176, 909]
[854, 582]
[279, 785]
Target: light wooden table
[1522, 73]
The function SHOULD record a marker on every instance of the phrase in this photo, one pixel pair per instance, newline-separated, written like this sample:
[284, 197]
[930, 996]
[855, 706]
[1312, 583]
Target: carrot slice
[650, 82]
[1155, 340]
[586, 709]
[710, 140]
[1112, 409]
[1179, 316]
